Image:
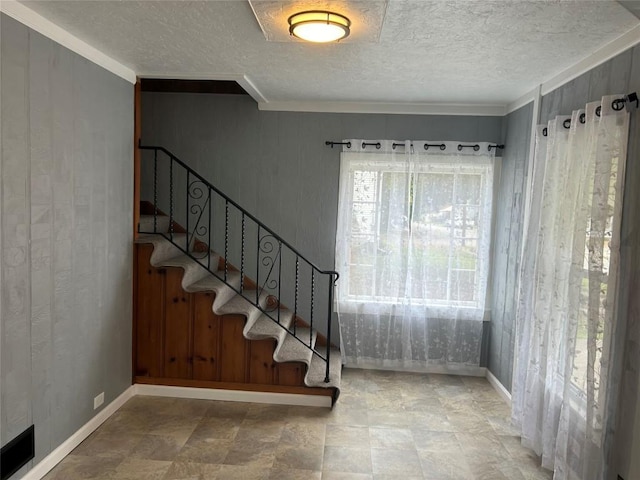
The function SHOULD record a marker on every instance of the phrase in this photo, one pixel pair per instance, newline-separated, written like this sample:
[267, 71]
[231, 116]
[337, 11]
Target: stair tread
[183, 259]
[242, 304]
[317, 369]
[211, 282]
[292, 350]
[266, 327]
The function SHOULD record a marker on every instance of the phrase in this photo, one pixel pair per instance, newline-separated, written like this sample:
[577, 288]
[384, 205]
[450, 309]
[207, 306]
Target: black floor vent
[17, 453]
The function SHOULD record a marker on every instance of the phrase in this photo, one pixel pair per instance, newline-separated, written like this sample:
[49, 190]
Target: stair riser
[146, 224]
[164, 250]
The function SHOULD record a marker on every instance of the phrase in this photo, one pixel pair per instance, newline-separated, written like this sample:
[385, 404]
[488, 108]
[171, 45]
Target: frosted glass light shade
[319, 26]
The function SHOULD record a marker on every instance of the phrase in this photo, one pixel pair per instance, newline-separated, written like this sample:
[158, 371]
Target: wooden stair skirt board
[180, 340]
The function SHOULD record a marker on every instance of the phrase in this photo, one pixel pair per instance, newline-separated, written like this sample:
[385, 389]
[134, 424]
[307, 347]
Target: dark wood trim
[137, 131]
[248, 387]
[167, 85]
[134, 315]
[137, 134]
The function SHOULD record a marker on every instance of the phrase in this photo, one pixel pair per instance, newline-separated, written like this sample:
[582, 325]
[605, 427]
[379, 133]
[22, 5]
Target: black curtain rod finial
[633, 97]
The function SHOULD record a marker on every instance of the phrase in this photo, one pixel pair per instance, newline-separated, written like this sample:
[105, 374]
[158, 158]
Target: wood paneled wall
[180, 341]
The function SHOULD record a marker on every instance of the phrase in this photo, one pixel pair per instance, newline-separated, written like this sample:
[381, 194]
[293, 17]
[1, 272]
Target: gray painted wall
[507, 243]
[66, 237]
[276, 164]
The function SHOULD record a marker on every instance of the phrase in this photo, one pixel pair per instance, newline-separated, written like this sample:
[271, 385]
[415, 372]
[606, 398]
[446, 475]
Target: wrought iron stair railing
[219, 230]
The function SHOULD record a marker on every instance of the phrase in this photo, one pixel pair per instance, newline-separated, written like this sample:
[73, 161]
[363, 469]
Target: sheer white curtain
[412, 249]
[568, 290]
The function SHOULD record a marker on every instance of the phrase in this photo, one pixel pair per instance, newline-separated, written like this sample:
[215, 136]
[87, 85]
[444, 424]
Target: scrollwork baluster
[266, 246]
[195, 191]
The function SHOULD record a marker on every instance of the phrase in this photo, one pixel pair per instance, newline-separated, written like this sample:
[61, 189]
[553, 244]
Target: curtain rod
[618, 104]
[441, 146]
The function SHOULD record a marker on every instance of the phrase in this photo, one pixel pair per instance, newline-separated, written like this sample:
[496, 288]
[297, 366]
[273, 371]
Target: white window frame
[438, 164]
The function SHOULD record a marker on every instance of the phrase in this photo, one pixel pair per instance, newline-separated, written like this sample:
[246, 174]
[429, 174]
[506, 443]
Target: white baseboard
[234, 395]
[502, 391]
[55, 457]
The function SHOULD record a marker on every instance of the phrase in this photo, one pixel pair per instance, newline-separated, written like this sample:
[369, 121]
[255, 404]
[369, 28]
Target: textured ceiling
[415, 51]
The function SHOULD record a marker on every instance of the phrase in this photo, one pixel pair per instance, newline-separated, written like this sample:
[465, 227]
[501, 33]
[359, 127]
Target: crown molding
[45, 27]
[386, 108]
[525, 99]
[610, 50]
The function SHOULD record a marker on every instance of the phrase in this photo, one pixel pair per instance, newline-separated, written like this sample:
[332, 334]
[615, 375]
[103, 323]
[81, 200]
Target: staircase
[273, 285]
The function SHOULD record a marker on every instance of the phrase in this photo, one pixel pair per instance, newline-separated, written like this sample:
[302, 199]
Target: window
[595, 305]
[415, 229]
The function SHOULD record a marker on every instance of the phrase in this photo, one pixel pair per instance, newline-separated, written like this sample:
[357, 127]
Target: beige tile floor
[386, 425]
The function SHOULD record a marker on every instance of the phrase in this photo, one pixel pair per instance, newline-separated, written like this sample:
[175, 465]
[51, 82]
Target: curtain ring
[565, 124]
[441, 146]
[598, 110]
[618, 104]
[475, 147]
[545, 132]
[582, 118]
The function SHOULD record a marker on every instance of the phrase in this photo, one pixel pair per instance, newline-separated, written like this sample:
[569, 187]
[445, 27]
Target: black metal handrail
[268, 253]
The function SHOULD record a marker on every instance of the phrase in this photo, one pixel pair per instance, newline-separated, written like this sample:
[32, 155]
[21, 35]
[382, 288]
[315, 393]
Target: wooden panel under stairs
[180, 341]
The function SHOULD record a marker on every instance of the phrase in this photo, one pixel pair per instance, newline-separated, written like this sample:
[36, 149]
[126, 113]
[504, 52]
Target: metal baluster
[155, 191]
[209, 245]
[171, 197]
[226, 239]
[329, 318]
[187, 223]
[279, 277]
[313, 287]
[258, 268]
[242, 258]
[295, 302]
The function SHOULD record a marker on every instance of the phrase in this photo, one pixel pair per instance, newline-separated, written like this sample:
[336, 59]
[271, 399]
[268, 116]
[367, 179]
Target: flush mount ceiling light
[319, 26]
